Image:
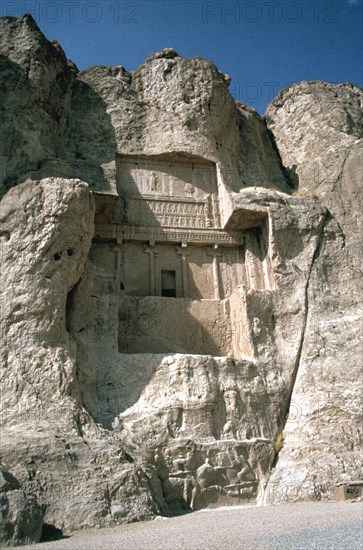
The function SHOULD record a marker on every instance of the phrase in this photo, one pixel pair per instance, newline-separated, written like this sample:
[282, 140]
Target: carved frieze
[182, 179]
[199, 476]
[169, 194]
[168, 213]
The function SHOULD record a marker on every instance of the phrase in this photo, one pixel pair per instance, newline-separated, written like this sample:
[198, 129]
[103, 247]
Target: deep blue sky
[264, 45]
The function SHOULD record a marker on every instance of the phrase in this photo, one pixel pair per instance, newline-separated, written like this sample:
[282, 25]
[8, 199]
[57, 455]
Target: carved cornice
[166, 234]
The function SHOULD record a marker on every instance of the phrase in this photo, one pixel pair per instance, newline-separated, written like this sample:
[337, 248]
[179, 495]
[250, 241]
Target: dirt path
[302, 526]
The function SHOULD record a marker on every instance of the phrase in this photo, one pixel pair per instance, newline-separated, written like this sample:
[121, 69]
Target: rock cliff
[180, 286]
[318, 130]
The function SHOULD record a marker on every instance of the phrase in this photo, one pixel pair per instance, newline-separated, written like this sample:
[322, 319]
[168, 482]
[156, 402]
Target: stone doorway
[168, 283]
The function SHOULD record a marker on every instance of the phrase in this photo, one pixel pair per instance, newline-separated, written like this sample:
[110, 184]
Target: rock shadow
[76, 137]
[91, 138]
[51, 533]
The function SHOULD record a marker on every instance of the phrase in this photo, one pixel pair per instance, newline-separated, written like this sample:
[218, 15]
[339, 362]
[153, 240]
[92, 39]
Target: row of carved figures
[159, 182]
[194, 475]
[171, 213]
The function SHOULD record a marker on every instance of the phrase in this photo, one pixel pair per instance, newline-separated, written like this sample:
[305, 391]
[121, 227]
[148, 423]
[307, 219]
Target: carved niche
[170, 192]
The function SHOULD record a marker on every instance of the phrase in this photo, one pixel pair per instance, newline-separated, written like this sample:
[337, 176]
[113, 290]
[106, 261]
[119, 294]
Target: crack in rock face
[180, 290]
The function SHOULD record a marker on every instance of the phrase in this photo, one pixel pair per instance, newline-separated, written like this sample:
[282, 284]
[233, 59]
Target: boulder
[21, 518]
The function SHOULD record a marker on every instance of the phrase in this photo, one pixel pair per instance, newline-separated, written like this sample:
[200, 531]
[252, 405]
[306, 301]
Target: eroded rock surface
[179, 289]
[21, 519]
[47, 439]
[318, 130]
[60, 122]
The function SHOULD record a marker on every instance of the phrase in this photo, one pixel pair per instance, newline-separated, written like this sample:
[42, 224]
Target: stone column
[112, 325]
[266, 265]
[152, 251]
[118, 264]
[216, 254]
[184, 252]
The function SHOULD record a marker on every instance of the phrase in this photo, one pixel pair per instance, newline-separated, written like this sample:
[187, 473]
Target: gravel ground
[301, 526]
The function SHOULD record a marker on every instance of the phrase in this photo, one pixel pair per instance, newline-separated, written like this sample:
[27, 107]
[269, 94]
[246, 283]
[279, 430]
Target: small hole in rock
[122, 286]
[70, 252]
[5, 235]
[57, 256]
[129, 458]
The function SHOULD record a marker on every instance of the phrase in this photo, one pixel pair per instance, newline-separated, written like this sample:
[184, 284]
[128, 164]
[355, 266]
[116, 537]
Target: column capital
[215, 250]
[183, 249]
[150, 250]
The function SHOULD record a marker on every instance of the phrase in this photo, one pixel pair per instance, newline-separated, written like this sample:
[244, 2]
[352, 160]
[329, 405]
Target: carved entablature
[175, 191]
[145, 233]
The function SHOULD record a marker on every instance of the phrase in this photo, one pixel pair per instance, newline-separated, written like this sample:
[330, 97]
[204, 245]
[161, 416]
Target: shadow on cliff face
[74, 140]
[258, 163]
[90, 137]
[290, 173]
[14, 156]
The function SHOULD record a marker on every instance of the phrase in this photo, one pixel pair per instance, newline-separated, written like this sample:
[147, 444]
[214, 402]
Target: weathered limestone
[21, 519]
[168, 104]
[47, 438]
[315, 126]
[180, 329]
[323, 444]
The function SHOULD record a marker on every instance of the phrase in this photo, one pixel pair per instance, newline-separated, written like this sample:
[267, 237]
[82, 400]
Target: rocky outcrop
[21, 519]
[60, 122]
[36, 81]
[102, 430]
[315, 125]
[53, 124]
[48, 440]
[317, 128]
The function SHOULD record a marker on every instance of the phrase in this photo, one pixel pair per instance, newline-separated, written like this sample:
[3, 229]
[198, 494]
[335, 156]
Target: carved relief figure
[240, 466]
[189, 467]
[189, 189]
[208, 477]
[187, 480]
[231, 403]
[154, 182]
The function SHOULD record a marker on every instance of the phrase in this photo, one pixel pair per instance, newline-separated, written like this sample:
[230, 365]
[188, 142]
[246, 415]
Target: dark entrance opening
[168, 286]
